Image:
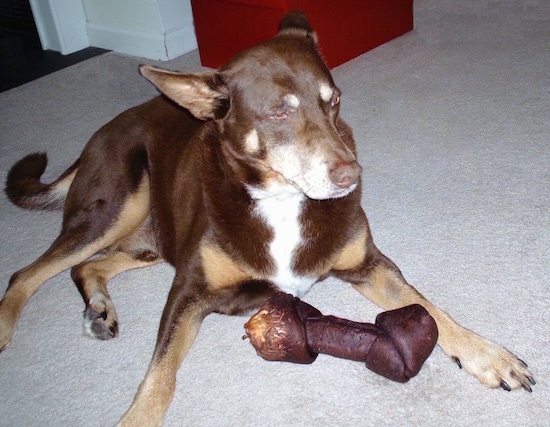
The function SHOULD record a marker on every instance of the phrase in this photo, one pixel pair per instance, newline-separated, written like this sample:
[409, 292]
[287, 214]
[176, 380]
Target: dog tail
[24, 188]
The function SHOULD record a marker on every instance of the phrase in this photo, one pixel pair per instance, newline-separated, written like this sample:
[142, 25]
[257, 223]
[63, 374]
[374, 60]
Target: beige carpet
[453, 126]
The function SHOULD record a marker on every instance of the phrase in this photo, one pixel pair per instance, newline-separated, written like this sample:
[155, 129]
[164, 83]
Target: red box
[346, 28]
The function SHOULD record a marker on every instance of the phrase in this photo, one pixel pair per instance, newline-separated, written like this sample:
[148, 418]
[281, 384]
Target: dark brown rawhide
[395, 346]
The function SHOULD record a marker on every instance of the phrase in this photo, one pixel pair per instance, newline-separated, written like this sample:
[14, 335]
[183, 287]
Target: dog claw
[114, 330]
[527, 381]
[457, 361]
[504, 385]
[523, 363]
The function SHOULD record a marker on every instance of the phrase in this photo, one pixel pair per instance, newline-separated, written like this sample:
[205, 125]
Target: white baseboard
[180, 41]
[138, 43]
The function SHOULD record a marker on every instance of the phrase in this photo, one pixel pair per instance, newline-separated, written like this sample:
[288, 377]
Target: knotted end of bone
[409, 335]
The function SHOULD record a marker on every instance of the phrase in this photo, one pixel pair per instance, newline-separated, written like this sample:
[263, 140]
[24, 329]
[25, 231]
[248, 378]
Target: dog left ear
[203, 94]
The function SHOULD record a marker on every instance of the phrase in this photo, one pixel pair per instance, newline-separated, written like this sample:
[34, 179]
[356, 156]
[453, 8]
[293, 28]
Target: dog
[244, 179]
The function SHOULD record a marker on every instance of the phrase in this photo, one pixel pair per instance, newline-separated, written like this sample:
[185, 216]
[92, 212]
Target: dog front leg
[381, 282]
[178, 329]
[181, 320]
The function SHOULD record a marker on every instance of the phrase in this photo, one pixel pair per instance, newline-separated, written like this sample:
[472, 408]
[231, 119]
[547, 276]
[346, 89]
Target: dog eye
[335, 101]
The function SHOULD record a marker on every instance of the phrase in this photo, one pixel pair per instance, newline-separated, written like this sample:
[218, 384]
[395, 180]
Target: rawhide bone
[288, 329]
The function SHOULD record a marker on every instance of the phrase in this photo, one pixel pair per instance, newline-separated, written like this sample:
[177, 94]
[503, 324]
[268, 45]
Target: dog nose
[345, 174]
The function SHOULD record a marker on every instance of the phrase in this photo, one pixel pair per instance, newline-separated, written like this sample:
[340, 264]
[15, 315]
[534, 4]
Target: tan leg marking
[157, 388]
[353, 253]
[103, 269]
[92, 277]
[220, 270]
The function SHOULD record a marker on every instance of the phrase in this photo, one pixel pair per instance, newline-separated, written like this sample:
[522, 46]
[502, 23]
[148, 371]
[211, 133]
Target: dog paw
[97, 325]
[494, 366]
[100, 320]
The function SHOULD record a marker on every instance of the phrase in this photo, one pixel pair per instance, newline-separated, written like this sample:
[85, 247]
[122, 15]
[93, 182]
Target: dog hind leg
[73, 246]
[24, 283]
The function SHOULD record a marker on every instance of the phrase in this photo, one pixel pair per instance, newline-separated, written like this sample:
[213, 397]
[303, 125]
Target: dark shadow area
[21, 56]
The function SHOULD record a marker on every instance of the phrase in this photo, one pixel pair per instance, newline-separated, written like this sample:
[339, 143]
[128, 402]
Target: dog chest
[281, 211]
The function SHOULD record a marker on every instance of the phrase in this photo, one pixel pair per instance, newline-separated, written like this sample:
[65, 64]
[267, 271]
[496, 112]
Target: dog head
[276, 109]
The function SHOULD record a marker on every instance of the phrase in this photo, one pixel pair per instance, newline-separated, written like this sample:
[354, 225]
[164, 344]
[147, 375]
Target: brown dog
[252, 187]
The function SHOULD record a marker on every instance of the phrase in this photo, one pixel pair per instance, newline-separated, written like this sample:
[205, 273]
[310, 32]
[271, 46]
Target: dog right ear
[205, 95]
[296, 23]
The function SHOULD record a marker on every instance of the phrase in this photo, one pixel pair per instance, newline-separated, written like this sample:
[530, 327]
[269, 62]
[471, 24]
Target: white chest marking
[280, 207]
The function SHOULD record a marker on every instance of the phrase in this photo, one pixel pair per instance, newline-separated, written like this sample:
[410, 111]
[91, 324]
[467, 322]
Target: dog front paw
[494, 366]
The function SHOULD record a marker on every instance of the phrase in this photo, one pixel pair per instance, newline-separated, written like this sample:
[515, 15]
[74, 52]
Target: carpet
[452, 123]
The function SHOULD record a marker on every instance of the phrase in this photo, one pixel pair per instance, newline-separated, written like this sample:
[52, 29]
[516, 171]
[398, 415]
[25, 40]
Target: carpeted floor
[453, 126]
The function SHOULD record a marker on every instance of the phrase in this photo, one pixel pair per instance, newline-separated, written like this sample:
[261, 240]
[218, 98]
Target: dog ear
[296, 23]
[203, 94]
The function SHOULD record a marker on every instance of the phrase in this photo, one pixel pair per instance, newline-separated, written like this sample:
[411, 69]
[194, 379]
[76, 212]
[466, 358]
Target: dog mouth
[316, 189]
[324, 190]
[343, 192]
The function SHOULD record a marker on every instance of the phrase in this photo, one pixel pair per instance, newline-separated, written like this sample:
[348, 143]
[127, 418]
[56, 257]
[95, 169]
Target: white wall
[155, 29]
[61, 25]
[177, 20]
